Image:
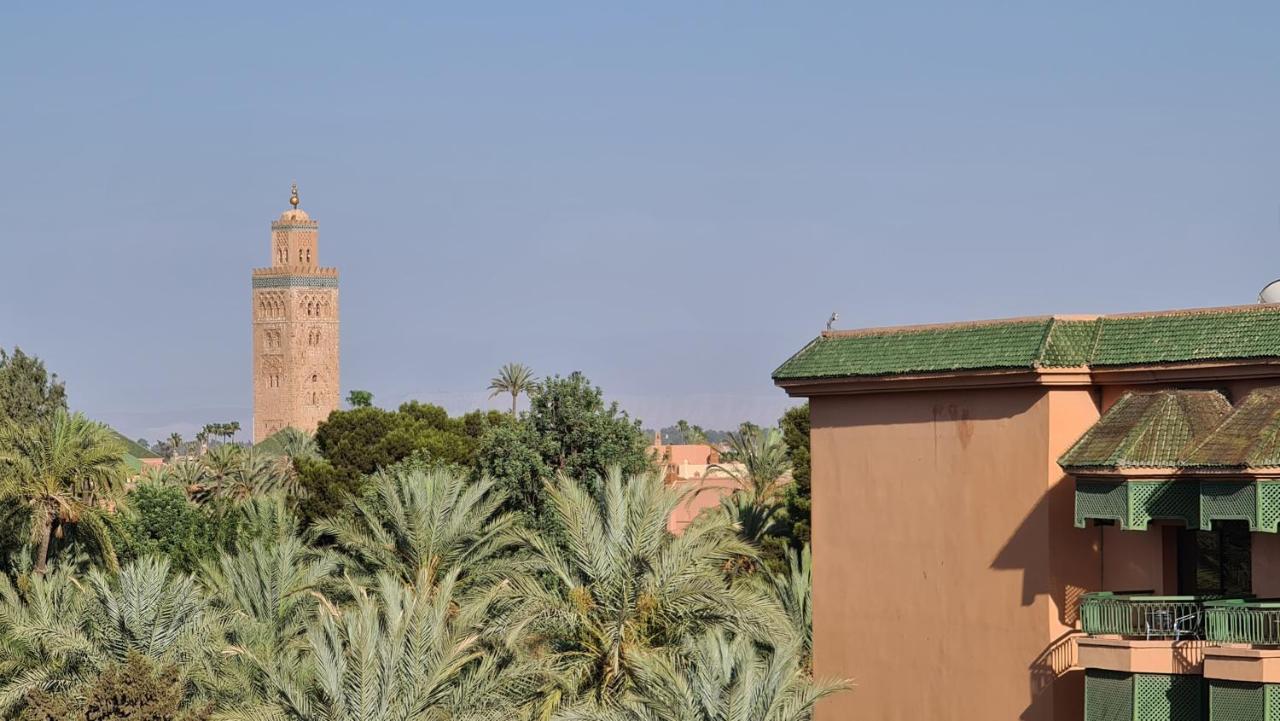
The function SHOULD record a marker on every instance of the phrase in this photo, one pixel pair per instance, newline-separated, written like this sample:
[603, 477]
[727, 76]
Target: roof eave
[986, 378]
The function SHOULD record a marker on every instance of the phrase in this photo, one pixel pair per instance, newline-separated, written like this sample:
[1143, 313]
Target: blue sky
[670, 197]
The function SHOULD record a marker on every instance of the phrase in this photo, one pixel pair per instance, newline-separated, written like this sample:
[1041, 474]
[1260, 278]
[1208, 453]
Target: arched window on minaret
[299, 255]
[308, 255]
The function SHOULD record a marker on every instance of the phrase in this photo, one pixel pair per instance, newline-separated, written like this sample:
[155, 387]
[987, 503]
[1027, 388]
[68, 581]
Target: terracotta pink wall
[706, 494]
[1134, 560]
[945, 562]
[1233, 389]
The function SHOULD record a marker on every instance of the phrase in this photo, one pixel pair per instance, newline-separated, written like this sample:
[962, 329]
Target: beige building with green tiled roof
[1059, 517]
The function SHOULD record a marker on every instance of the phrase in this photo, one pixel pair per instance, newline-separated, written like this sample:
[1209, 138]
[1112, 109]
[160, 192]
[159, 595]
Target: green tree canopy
[28, 393]
[360, 399]
[568, 430]
[354, 444]
[797, 497]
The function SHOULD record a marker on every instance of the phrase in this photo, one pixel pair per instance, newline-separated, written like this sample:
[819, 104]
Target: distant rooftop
[1135, 339]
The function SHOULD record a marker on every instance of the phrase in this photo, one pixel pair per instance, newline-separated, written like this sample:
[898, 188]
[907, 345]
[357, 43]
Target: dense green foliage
[568, 430]
[431, 604]
[355, 443]
[131, 691]
[28, 392]
[797, 496]
[400, 566]
[159, 520]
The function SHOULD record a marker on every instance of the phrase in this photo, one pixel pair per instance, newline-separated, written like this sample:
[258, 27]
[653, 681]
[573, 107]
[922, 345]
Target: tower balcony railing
[1142, 615]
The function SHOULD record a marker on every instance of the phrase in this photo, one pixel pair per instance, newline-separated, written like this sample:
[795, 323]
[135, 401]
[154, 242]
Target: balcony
[1140, 615]
[1189, 658]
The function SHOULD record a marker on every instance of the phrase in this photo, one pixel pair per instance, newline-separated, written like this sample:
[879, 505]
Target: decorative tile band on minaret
[295, 329]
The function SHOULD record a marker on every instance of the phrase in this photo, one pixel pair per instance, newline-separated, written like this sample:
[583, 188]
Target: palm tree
[401, 651]
[61, 469]
[513, 378]
[272, 588]
[229, 473]
[414, 520]
[294, 443]
[236, 474]
[202, 438]
[232, 429]
[754, 521]
[757, 460]
[65, 631]
[720, 678]
[621, 587]
[793, 589]
[175, 445]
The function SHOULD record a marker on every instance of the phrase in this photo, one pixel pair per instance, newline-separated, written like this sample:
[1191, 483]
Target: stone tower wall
[295, 332]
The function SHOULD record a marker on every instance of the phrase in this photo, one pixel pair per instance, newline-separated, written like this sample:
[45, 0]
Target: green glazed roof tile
[1110, 341]
[1238, 333]
[933, 349]
[1248, 438]
[1070, 343]
[131, 447]
[1148, 430]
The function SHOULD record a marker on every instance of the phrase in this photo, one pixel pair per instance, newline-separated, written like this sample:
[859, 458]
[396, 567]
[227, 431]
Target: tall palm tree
[620, 586]
[513, 378]
[757, 460]
[175, 445]
[414, 520]
[232, 429]
[61, 469]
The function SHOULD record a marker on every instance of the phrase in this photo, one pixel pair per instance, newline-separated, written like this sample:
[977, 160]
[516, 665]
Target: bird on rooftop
[832, 320]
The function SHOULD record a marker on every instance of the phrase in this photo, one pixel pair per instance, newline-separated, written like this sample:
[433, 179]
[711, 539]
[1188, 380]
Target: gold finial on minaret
[293, 196]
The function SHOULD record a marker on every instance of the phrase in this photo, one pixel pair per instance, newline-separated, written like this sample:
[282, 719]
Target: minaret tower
[295, 330]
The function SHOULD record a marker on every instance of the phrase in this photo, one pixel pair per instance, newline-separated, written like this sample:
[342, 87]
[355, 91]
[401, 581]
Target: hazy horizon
[669, 198]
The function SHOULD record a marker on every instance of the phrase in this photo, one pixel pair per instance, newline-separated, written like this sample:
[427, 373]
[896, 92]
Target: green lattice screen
[1101, 500]
[1119, 696]
[1159, 697]
[1236, 701]
[1108, 695]
[1269, 505]
[1228, 501]
[1164, 500]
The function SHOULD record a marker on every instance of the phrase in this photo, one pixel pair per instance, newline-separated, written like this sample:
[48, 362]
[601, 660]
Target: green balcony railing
[1251, 621]
[1138, 614]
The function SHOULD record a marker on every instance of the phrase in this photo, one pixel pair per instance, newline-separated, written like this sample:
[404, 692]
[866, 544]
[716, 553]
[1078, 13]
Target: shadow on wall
[1053, 678]
[1064, 570]
[1065, 578]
